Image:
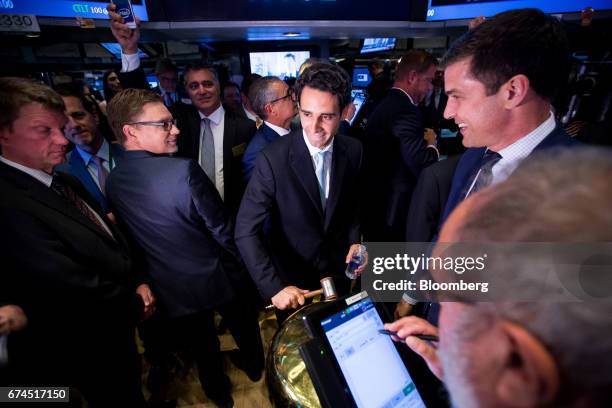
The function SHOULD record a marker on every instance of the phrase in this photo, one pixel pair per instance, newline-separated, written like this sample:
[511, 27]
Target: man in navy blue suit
[176, 215]
[500, 78]
[93, 157]
[272, 100]
[307, 185]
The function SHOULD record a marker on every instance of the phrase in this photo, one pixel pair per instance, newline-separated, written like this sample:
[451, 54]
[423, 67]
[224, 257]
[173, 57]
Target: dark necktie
[102, 172]
[484, 177]
[70, 195]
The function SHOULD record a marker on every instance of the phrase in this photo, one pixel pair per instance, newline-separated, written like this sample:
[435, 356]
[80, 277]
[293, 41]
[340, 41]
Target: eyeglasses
[165, 124]
[288, 95]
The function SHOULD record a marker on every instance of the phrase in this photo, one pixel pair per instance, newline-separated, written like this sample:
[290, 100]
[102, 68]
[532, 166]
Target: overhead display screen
[463, 9]
[63, 8]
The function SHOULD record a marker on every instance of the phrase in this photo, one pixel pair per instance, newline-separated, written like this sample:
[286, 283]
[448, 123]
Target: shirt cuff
[129, 62]
[408, 299]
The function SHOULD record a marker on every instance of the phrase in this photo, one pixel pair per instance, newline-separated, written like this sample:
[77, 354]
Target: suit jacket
[237, 133]
[304, 242]
[470, 163]
[263, 137]
[429, 199]
[76, 167]
[176, 216]
[72, 280]
[395, 154]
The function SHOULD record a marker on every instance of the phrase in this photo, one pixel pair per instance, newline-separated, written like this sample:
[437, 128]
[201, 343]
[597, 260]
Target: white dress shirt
[280, 130]
[312, 150]
[217, 123]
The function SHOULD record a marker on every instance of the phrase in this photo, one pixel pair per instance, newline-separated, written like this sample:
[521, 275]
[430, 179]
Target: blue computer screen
[377, 44]
[63, 8]
[361, 76]
[463, 9]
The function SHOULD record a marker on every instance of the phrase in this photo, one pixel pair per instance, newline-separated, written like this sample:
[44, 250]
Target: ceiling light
[291, 34]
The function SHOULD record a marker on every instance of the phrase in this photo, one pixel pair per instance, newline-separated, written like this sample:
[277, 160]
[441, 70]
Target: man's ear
[530, 376]
[515, 91]
[129, 133]
[412, 76]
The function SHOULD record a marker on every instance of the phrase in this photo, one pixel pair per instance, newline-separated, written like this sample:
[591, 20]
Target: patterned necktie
[102, 172]
[207, 149]
[258, 122]
[484, 177]
[70, 195]
[320, 168]
[168, 101]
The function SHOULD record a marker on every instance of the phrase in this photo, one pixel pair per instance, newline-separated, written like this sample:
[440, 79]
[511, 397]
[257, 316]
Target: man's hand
[127, 37]
[12, 319]
[144, 291]
[290, 297]
[402, 309]
[352, 250]
[430, 137]
[406, 328]
[348, 112]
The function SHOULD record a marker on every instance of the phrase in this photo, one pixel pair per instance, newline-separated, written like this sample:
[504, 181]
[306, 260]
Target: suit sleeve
[248, 159]
[254, 209]
[134, 79]
[415, 153]
[209, 206]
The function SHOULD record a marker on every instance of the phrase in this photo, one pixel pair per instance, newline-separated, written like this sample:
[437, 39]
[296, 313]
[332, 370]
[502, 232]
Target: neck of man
[208, 112]
[286, 124]
[406, 88]
[94, 146]
[522, 121]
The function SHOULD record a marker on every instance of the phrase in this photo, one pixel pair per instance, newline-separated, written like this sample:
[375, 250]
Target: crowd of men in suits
[197, 209]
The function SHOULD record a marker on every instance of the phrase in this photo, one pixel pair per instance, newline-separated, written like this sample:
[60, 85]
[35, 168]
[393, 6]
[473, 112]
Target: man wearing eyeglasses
[307, 185]
[273, 101]
[176, 215]
[93, 157]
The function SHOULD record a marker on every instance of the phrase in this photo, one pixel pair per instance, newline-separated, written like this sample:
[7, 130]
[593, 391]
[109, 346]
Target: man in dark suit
[93, 157]
[166, 72]
[273, 101]
[63, 261]
[395, 149]
[504, 114]
[307, 184]
[210, 135]
[177, 217]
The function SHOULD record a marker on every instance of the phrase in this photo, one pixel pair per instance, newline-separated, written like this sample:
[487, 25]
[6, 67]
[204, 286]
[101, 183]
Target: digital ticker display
[62, 8]
[464, 9]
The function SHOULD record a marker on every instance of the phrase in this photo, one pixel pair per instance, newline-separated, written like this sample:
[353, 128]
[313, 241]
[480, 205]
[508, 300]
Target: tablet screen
[372, 367]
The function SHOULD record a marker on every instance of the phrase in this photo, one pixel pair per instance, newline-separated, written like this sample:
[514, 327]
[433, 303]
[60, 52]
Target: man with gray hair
[532, 354]
[272, 100]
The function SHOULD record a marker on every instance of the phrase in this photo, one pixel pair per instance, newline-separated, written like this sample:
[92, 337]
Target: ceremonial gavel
[328, 290]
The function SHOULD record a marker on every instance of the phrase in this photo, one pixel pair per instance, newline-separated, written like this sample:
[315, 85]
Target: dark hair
[415, 60]
[524, 41]
[126, 106]
[198, 66]
[76, 90]
[327, 78]
[230, 84]
[18, 92]
[108, 93]
[248, 81]
[165, 65]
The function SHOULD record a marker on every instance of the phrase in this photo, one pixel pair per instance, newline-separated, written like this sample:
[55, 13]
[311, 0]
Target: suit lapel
[339, 164]
[81, 173]
[229, 129]
[301, 164]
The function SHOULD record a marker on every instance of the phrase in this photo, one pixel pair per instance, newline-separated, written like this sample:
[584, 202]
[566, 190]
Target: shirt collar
[405, 93]
[312, 150]
[249, 114]
[39, 175]
[281, 131]
[216, 116]
[102, 153]
[525, 145]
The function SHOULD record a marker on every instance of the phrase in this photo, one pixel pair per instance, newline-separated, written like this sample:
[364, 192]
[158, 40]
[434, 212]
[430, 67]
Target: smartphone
[124, 8]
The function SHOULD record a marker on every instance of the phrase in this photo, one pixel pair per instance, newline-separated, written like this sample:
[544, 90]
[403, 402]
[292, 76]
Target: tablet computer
[358, 98]
[370, 368]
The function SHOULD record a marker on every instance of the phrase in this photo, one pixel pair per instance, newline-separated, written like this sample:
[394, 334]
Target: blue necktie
[320, 172]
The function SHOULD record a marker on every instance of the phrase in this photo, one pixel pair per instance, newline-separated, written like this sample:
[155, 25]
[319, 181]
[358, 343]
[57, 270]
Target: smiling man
[93, 157]
[175, 214]
[307, 183]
